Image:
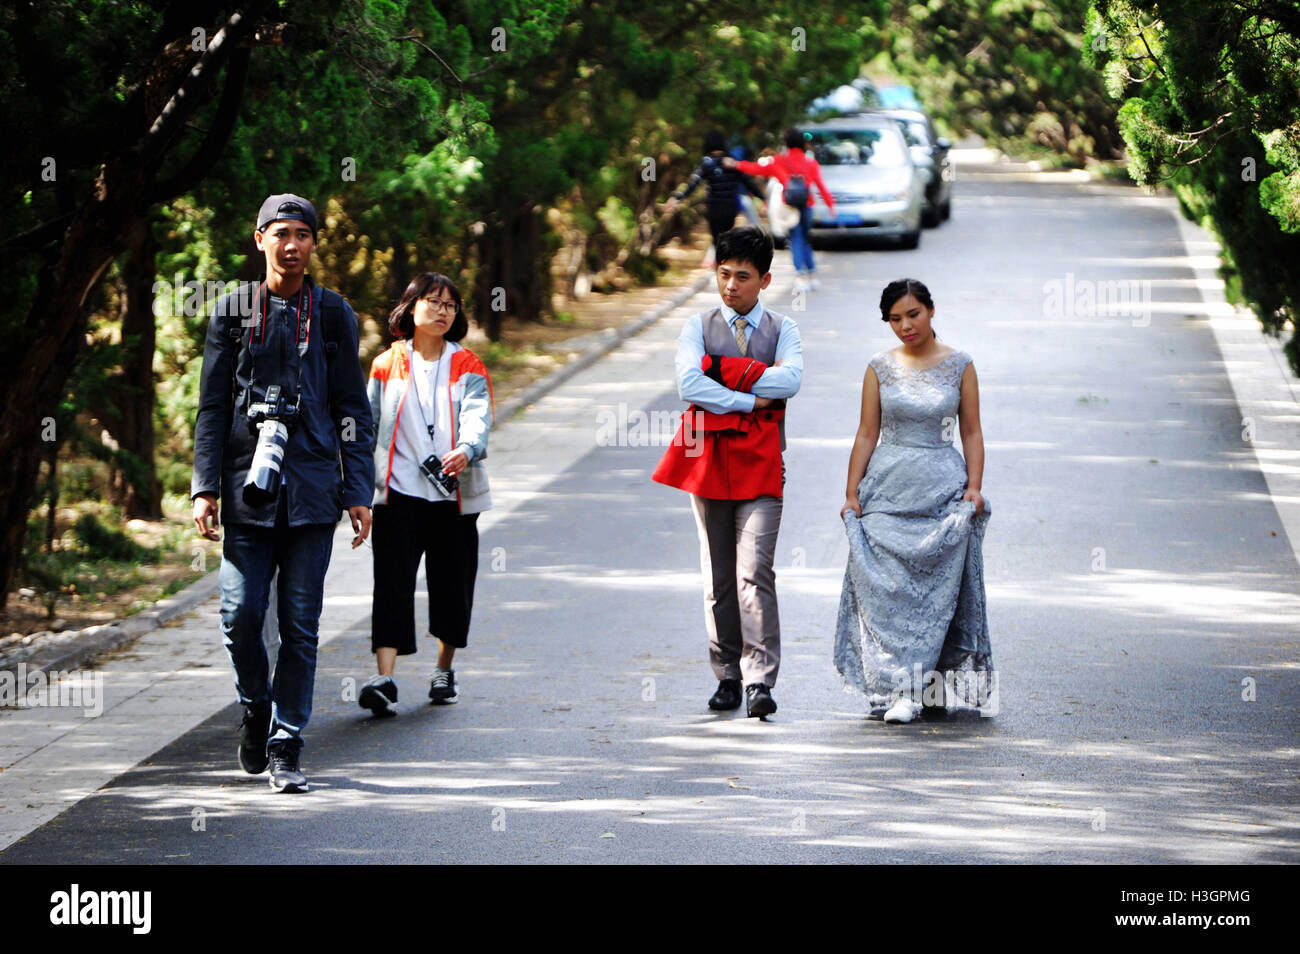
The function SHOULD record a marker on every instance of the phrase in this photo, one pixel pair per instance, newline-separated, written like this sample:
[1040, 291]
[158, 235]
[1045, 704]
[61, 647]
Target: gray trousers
[737, 548]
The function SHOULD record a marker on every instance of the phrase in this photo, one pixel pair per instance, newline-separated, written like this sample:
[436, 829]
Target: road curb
[73, 649]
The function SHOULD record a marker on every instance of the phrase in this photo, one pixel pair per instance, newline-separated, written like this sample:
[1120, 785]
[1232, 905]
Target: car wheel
[910, 239]
[931, 218]
[947, 209]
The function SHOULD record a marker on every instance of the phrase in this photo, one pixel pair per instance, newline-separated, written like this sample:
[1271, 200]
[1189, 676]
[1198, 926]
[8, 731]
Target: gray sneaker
[285, 776]
[379, 695]
[442, 688]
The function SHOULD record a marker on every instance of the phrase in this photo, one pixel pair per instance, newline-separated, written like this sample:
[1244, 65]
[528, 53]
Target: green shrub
[99, 542]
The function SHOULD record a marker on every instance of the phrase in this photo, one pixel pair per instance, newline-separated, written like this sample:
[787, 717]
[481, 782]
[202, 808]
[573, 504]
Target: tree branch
[189, 94]
[42, 235]
[418, 41]
[209, 152]
[1142, 35]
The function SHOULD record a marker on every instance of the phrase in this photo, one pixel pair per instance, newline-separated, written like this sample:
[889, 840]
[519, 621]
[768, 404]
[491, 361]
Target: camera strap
[302, 333]
[419, 402]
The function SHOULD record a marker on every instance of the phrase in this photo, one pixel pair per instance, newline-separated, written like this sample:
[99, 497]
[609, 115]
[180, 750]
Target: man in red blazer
[738, 511]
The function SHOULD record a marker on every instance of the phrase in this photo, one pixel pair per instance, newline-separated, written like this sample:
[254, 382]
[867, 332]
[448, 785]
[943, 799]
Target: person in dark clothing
[741, 153]
[300, 340]
[723, 187]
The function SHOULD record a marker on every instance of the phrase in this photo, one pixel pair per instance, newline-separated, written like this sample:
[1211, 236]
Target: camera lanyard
[415, 381]
[303, 333]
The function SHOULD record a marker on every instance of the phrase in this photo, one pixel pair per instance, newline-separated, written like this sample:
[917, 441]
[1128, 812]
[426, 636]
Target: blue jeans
[250, 556]
[800, 246]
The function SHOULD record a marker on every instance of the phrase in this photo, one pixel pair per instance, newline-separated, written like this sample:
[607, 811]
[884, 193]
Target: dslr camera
[271, 420]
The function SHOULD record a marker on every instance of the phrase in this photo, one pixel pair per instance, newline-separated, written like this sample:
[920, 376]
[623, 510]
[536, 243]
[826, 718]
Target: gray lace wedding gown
[913, 599]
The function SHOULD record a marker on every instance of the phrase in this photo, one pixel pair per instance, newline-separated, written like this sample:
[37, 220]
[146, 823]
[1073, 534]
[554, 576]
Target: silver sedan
[868, 168]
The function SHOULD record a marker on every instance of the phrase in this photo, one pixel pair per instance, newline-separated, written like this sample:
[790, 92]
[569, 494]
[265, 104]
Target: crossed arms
[781, 380]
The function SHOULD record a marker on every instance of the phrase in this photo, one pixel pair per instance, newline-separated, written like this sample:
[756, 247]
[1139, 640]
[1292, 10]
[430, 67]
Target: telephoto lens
[263, 481]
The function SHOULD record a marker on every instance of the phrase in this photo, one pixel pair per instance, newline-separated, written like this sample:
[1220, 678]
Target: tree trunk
[399, 276]
[508, 279]
[129, 418]
[36, 370]
[36, 363]
[51, 522]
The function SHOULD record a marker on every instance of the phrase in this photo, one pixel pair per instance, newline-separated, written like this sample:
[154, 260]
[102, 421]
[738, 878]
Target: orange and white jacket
[472, 413]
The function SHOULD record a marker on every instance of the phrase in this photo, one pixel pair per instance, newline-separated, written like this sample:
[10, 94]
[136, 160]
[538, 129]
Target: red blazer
[734, 456]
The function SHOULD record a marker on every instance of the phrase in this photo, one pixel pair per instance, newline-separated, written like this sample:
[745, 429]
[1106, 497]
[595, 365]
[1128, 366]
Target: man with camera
[283, 437]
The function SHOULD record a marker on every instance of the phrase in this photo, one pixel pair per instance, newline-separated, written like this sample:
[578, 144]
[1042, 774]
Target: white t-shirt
[427, 401]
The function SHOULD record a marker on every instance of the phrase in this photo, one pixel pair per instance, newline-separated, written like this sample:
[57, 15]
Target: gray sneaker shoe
[442, 688]
[285, 776]
[379, 695]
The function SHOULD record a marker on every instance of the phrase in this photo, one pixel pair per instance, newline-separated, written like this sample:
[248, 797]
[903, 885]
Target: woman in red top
[792, 163]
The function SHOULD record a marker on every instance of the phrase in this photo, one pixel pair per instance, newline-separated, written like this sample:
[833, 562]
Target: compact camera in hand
[446, 483]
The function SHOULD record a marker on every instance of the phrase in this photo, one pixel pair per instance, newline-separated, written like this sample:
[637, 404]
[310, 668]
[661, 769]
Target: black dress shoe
[759, 701]
[727, 696]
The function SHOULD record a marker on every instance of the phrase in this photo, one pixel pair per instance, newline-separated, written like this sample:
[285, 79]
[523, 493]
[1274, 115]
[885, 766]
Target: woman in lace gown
[912, 631]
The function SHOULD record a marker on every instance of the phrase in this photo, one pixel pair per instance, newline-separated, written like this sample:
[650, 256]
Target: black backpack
[796, 192]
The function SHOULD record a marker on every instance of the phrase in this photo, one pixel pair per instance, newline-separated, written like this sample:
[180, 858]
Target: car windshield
[915, 131]
[900, 97]
[856, 147]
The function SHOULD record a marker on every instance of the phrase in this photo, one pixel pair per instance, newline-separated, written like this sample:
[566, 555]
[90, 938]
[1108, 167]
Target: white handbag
[781, 217]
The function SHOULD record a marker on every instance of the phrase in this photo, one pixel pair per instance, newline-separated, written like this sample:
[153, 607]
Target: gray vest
[719, 339]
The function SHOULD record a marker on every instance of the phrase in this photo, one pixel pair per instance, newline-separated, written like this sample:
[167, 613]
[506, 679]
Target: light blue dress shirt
[775, 382]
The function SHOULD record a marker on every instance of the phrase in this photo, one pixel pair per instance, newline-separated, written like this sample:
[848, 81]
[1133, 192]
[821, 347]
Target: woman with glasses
[431, 400]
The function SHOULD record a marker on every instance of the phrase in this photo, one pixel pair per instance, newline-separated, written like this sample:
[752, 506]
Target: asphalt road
[1136, 567]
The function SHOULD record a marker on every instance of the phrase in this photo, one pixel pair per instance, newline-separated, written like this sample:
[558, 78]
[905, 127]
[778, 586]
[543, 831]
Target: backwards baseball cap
[287, 206]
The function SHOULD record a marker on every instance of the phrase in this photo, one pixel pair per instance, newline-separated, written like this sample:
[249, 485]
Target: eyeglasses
[444, 305]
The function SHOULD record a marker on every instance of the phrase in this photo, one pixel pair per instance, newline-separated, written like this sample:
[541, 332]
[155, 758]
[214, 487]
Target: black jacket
[723, 185]
[334, 426]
